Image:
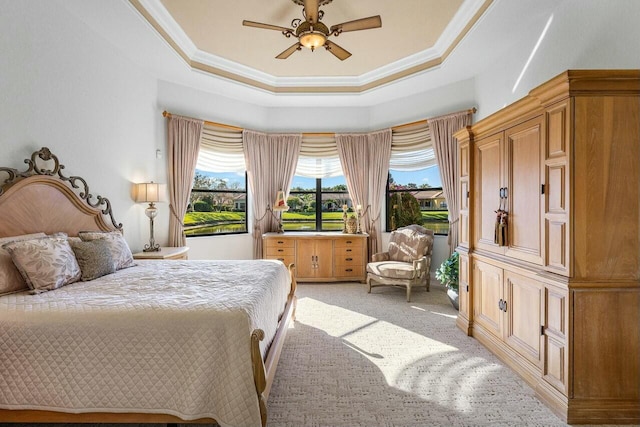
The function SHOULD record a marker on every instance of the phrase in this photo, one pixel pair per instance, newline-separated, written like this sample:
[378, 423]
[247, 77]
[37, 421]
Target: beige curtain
[271, 163]
[445, 145]
[365, 163]
[183, 142]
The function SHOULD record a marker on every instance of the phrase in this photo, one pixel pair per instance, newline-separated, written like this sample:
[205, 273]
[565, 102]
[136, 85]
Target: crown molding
[162, 21]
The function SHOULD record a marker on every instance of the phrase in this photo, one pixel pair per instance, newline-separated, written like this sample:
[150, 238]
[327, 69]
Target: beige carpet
[358, 359]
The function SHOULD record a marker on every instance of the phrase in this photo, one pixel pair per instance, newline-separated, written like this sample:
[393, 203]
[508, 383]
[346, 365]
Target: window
[315, 204]
[415, 197]
[218, 204]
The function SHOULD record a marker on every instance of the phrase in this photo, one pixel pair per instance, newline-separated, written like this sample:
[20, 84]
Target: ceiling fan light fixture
[312, 39]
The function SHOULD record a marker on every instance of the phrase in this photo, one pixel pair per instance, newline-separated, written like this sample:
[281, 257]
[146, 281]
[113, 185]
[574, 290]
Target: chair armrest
[421, 265]
[380, 256]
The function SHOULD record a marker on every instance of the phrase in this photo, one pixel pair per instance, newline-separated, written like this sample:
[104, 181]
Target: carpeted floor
[358, 359]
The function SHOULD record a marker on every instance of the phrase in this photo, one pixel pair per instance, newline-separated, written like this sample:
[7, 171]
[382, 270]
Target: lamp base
[151, 248]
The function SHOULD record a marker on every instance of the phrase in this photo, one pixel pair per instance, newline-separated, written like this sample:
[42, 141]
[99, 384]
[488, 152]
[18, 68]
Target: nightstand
[164, 253]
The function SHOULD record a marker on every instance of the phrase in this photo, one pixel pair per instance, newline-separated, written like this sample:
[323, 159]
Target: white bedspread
[162, 337]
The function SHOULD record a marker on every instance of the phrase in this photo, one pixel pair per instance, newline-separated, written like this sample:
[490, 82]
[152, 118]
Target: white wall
[65, 88]
[581, 34]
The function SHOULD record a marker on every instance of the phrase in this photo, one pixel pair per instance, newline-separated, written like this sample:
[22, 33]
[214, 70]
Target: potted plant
[447, 274]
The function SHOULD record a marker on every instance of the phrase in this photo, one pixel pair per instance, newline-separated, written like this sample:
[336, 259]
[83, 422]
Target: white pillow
[46, 263]
[10, 278]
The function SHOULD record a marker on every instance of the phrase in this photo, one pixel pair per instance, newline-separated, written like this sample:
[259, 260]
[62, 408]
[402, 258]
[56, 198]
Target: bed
[157, 342]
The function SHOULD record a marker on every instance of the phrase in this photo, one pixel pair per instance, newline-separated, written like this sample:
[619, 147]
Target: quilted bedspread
[167, 337]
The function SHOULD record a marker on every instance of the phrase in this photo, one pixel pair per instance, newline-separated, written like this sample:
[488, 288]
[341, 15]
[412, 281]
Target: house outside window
[315, 204]
[217, 205]
[411, 199]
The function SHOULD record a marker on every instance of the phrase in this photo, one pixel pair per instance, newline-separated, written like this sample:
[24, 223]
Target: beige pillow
[10, 278]
[407, 245]
[46, 263]
[94, 258]
[120, 252]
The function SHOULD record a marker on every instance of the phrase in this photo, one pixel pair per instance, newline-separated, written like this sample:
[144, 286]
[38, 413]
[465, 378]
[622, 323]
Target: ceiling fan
[312, 33]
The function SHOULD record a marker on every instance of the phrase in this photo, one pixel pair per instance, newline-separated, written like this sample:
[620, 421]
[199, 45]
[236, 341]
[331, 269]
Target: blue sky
[430, 176]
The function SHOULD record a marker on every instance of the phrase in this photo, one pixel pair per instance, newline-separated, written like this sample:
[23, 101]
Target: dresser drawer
[280, 251]
[348, 261]
[349, 252]
[286, 259]
[279, 243]
[349, 271]
[347, 242]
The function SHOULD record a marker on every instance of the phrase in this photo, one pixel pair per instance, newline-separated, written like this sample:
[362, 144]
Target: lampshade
[147, 192]
[281, 203]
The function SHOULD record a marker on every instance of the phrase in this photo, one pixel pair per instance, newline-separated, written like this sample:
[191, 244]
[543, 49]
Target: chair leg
[409, 292]
[428, 281]
[369, 284]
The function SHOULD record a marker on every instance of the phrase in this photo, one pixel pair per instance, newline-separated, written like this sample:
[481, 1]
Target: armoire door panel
[557, 208]
[556, 254]
[488, 179]
[524, 310]
[487, 280]
[523, 152]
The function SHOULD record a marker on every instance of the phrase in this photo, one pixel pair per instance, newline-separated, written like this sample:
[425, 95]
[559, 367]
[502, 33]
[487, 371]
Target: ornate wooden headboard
[42, 199]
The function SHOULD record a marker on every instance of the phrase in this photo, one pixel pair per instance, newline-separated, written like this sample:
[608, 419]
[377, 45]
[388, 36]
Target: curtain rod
[397, 127]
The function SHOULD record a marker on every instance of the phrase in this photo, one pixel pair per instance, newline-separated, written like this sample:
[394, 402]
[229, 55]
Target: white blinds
[412, 149]
[318, 157]
[221, 150]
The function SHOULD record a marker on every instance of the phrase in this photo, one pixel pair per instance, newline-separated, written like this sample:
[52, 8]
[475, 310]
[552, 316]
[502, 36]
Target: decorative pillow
[122, 256]
[46, 263]
[10, 278]
[94, 258]
[407, 245]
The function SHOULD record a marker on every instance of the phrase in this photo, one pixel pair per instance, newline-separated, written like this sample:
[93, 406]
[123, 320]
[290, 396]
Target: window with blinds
[414, 193]
[218, 202]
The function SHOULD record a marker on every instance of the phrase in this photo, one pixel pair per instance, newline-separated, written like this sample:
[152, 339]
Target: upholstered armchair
[406, 262]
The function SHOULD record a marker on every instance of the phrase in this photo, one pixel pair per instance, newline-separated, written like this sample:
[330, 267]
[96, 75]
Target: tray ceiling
[416, 35]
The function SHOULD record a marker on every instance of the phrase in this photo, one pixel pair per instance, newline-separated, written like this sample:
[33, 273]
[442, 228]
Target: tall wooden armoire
[558, 299]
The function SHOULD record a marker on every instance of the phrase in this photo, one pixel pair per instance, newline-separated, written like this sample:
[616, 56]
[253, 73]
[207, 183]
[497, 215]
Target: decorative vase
[351, 225]
[453, 297]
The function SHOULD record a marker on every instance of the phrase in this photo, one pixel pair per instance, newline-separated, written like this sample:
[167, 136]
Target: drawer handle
[349, 242]
[280, 242]
[281, 259]
[349, 269]
[349, 250]
[280, 250]
[348, 259]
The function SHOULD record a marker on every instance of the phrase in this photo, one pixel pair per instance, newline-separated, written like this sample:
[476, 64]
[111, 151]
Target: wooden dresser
[320, 257]
[560, 301]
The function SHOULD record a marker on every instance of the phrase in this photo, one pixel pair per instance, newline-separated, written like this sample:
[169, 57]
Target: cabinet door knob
[500, 304]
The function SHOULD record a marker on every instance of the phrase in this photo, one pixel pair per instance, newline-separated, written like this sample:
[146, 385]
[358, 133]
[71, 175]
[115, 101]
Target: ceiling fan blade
[358, 24]
[265, 26]
[287, 53]
[339, 52]
[311, 10]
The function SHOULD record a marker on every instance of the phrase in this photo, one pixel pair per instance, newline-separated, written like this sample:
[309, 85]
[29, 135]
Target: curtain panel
[271, 163]
[183, 144]
[365, 164]
[442, 130]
